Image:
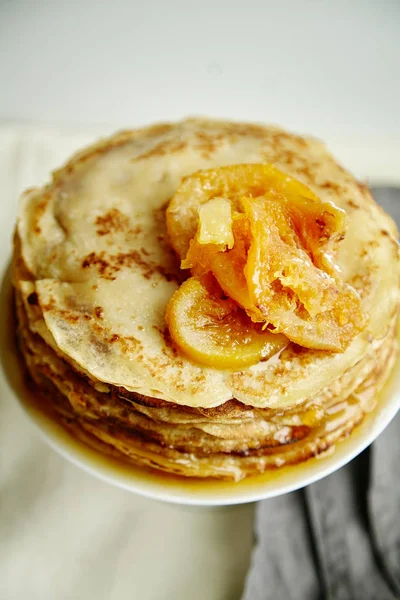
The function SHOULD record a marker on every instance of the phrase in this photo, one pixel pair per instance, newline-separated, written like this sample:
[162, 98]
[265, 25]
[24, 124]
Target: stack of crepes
[210, 299]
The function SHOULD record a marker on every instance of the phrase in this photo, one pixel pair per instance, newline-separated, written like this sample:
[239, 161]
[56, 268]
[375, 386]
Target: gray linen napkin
[339, 538]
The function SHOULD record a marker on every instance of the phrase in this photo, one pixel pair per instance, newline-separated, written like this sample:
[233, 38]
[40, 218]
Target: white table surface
[64, 534]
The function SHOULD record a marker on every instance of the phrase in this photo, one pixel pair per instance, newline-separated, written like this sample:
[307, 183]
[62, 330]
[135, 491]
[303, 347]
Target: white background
[331, 68]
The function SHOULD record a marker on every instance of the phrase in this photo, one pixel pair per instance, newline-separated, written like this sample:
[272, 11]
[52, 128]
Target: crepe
[94, 271]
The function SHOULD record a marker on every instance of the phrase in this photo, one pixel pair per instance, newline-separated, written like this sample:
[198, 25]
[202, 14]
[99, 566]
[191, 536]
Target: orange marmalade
[260, 247]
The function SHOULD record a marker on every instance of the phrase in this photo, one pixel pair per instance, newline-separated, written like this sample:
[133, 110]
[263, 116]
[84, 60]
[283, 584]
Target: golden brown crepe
[94, 271]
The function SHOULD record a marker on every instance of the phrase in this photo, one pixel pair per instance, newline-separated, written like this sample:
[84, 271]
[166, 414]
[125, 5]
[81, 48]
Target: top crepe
[94, 241]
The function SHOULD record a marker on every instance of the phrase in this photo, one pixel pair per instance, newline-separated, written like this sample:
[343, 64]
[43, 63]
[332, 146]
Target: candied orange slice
[226, 266]
[310, 305]
[232, 182]
[214, 331]
[279, 257]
